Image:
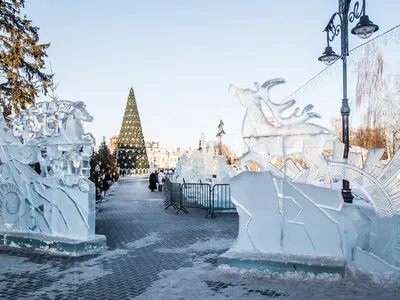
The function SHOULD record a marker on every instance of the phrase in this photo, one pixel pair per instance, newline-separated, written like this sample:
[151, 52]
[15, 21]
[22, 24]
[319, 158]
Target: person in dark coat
[153, 181]
[107, 181]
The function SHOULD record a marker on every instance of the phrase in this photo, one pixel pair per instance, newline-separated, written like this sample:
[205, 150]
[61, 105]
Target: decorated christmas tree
[131, 151]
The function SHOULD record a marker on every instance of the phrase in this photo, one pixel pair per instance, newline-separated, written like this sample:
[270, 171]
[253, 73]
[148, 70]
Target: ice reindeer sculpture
[53, 210]
[286, 221]
[292, 135]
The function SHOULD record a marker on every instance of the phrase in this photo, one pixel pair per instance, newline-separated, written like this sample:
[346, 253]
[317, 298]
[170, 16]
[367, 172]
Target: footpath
[155, 254]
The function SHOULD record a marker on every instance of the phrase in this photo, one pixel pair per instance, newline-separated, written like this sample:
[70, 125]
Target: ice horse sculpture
[287, 222]
[53, 210]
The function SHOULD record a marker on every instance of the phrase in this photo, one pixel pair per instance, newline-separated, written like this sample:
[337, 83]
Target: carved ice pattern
[282, 136]
[200, 165]
[59, 201]
[373, 229]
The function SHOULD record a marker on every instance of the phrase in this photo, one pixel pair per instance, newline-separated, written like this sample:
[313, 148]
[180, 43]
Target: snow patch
[65, 281]
[184, 283]
[203, 281]
[148, 240]
[156, 200]
[388, 279]
[201, 246]
[265, 274]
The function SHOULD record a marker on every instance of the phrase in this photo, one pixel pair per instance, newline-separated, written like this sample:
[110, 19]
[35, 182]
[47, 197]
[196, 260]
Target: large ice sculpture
[288, 219]
[200, 165]
[281, 136]
[224, 171]
[59, 202]
[281, 217]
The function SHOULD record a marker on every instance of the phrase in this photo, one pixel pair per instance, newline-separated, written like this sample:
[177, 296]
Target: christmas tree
[131, 152]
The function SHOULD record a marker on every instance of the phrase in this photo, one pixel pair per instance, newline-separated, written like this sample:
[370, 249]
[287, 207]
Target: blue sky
[181, 56]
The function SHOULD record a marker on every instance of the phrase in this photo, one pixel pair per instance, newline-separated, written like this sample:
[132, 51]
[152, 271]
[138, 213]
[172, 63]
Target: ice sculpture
[290, 222]
[200, 165]
[59, 203]
[275, 217]
[224, 172]
[290, 136]
[197, 165]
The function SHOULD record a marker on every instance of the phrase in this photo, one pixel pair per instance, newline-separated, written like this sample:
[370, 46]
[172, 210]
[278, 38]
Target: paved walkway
[155, 254]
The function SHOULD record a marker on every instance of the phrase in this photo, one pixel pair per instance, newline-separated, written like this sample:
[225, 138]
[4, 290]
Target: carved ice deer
[265, 141]
[277, 109]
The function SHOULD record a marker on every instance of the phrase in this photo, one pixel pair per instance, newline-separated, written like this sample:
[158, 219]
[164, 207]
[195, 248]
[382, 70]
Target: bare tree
[370, 83]
[368, 138]
[224, 150]
[378, 96]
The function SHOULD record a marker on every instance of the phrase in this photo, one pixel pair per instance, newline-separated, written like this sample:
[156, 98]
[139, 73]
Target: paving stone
[125, 271]
[149, 248]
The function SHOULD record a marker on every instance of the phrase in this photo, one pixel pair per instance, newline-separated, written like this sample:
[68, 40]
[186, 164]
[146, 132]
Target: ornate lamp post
[339, 24]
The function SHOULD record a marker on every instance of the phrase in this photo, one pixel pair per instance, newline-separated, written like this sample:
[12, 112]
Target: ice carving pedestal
[276, 230]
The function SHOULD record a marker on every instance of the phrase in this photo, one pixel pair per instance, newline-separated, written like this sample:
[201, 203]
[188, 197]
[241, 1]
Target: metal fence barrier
[173, 193]
[198, 195]
[221, 199]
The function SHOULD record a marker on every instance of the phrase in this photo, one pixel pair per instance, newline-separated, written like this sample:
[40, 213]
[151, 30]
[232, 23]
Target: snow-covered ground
[204, 280]
[156, 254]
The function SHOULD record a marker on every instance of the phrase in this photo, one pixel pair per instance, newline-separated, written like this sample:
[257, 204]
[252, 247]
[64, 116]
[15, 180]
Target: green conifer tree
[21, 58]
[104, 155]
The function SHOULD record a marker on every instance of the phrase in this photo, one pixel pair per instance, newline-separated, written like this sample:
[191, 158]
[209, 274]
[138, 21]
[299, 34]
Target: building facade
[113, 143]
[162, 158]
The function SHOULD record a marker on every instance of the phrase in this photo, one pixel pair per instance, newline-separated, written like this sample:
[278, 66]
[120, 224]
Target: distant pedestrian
[107, 181]
[161, 180]
[153, 182]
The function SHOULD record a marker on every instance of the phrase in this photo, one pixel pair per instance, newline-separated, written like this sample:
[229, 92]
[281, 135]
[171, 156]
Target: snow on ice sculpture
[59, 202]
[309, 225]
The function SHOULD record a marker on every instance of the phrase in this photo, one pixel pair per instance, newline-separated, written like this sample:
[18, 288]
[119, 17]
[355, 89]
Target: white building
[162, 158]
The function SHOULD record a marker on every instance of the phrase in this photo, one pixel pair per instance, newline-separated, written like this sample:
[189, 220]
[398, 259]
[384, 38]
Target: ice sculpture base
[52, 245]
[280, 262]
[369, 262]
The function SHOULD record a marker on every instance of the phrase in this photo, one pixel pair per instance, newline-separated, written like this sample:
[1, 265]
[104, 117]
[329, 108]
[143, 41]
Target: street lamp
[364, 29]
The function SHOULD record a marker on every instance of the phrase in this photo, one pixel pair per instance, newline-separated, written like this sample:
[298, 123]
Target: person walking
[161, 180]
[153, 181]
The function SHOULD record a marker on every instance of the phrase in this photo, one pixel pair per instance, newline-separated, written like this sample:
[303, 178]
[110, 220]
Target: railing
[173, 195]
[198, 195]
[221, 199]
[135, 172]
